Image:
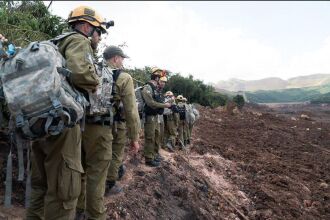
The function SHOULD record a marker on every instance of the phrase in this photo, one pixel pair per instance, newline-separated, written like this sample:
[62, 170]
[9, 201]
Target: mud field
[262, 163]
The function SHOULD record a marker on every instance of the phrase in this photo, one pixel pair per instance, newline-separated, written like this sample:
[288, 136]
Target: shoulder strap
[116, 74]
[61, 37]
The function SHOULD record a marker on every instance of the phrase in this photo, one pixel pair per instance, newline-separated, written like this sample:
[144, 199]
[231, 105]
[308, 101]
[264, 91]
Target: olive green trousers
[96, 151]
[56, 176]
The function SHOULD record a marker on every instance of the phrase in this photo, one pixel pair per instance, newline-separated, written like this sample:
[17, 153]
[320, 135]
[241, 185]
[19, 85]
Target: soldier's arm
[78, 54]
[127, 96]
[147, 96]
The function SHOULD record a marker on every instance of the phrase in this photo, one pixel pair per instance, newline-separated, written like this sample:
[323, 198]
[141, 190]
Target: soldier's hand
[168, 105]
[2, 38]
[135, 147]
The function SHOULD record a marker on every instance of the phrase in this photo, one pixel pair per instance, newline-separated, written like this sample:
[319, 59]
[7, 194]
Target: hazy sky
[219, 40]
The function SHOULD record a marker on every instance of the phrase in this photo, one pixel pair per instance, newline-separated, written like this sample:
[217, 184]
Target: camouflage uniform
[127, 117]
[181, 127]
[97, 153]
[151, 126]
[56, 183]
[186, 124]
[161, 133]
[170, 129]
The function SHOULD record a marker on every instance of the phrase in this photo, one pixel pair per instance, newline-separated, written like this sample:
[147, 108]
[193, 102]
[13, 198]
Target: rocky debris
[258, 164]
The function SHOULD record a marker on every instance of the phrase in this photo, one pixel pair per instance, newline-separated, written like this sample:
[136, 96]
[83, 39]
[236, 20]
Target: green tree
[239, 101]
[25, 21]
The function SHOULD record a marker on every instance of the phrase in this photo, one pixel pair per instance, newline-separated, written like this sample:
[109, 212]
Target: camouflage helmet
[179, 98]
[88, 14]
[169, 93]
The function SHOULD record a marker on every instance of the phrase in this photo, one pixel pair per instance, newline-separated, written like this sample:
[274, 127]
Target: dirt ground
[262, 163]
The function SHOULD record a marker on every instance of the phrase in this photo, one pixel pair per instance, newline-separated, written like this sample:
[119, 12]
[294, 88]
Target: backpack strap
[59, 38]
[115, 75]
[20, 154]
[9, 175]
[28, 177]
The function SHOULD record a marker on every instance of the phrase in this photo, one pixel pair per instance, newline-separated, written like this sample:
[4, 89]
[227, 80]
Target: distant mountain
[315, 94]
[273, 83]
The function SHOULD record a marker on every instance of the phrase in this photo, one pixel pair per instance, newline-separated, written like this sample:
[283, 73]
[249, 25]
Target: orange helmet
[88, 14]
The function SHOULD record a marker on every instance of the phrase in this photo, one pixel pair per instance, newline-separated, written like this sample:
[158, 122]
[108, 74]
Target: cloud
[178, 39]
[175, 37]
[310, 62]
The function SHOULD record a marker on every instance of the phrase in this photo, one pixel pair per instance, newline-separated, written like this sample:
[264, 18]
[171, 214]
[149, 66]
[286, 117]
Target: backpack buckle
[56, 104]
[19, 121]
[35, 47]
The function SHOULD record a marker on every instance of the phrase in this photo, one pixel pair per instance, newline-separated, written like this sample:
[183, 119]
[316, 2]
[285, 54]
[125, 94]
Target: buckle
[19, 121]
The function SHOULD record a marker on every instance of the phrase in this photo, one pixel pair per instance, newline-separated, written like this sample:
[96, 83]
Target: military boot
[112, 188]
[80, 215]
[121, 171]
[159, 158]
[152, 163]
[169, 146]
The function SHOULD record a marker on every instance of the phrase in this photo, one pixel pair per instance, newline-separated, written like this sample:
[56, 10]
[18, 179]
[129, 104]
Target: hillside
[274, 83]
[260, 164]
[320, 93]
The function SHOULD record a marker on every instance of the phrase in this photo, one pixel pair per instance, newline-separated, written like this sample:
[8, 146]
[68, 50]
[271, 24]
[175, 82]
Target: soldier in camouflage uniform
[160, 143]
[170, 131]
[153, 106]
[56, 184]
[186, 133]
[126, 116]
[182, 121]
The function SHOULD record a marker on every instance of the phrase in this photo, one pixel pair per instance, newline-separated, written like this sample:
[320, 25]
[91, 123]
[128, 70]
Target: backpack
[139, 100]
[39, 96]
[167, 111]
[182, 111]
[190, 116]
[100, 100]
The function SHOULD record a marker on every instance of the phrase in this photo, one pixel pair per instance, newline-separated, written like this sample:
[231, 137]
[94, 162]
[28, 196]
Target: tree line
[23, 22]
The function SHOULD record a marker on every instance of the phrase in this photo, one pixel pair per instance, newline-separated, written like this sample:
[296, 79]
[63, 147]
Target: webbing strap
[48, 123]
[20, 154]
[55, 130]
[28, 179]
[26, 130]
[9, 177]
[1, 115]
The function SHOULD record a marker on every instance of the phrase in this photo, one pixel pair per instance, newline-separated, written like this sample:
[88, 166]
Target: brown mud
[261, 163]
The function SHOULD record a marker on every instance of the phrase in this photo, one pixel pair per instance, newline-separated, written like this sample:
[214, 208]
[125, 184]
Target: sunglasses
[98, 31]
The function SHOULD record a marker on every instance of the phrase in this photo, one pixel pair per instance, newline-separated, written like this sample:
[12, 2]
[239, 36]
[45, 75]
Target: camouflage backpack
[40, 98]
[168, 111]
[100, 100]
[139, 100]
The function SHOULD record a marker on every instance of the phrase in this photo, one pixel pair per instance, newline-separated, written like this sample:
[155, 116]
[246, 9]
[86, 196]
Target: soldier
[186, 133]
[126, 115]
[182, 121]
[193, 117]
[170, 131]
[160, 143]
[56, 184]
[153, 106]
